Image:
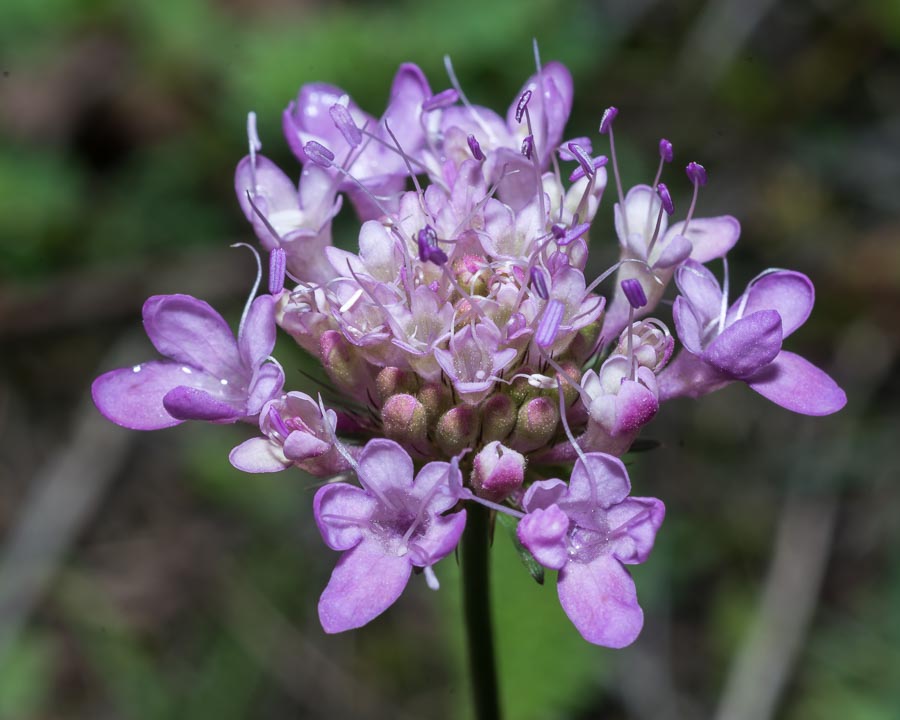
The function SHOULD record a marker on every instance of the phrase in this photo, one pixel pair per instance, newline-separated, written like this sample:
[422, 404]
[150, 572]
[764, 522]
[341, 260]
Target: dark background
[141, 577]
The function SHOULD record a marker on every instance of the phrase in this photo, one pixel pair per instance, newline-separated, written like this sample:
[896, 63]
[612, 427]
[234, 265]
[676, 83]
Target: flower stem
[477, 609]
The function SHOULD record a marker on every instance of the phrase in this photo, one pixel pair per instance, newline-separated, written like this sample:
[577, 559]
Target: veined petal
[192, 403]
[711, 238]
[633, 524]
[798, 385]
[266, 385]
[687, 326]
[384, 466]
[257, 338]
[189, 331]
[701, 289]
[601, 601]
[364, 584]
[543, 533]
[603, 482]
[440, 540]
[544, 493]
[258, 455]
[747, 346]
[342, 511]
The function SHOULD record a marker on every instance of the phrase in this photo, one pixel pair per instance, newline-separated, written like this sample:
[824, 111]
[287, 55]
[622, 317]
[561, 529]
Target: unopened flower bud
[519, 389]
[404, 419]
[497, 471]
[498, 417]
[436, 398]
[343, 365]
[570, 392]
[535, 424]
[457, 429]
[652, 344]
[392, 380]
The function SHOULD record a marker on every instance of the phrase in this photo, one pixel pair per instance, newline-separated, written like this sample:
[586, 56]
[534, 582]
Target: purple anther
[584, 160]
[666, 198]
[277, 270]
[428, 247]
[528, 146]
[342, 120]
[548, 327]
[634, 293]
[665, 150]
[597, 163]
[584, 142]
[318, 154]
[477, 152]
[574, 233]
[606, 121]
[445, 98]
[558, 232]
[696, 172]
[539, 283]
[277, 422]
[522, 104]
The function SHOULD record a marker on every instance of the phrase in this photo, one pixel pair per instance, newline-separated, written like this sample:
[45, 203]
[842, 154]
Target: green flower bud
[535, 424]
[457, 429]
[392, 380]
[404, 420]
[498, 417]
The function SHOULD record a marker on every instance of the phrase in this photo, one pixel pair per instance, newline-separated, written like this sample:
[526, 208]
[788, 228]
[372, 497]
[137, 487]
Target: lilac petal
[433, 482]
[258, 455]
[440, 540]
[790, 293]
[300, 446]
[675, 250]
[384, 466]
[274, 192]
[642, 206]
[798, 385]
[687, 326]
[701, 289]
[409, 91]
[191, 403]
[636, 405]
[711, 237]
[364, 584]
[133, 397]
[602, 482]
[747, 346]
[266, 385]
[543, 533]
[257, 337]
[601, 601]
[633, 524]
[189, 331]
[543, 494]
[342, 513]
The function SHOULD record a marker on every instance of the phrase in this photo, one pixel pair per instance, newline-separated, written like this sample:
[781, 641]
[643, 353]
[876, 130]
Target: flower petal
[602, 482]
[133, 397]
[342, 512]
[790, 293]
[747, 346]
[364, 584]
[601, 601]
[543, 494]
[633, 524]
[798, 385]
[192, 403]
[701, 289]
[267, 384]
[189, 331]
[439, 540]
[258, 455]
[711, 238]
[384, 466]
[687, 325]
[543, 533]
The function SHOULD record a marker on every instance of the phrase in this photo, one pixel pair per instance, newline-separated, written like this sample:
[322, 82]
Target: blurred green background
[142, 578]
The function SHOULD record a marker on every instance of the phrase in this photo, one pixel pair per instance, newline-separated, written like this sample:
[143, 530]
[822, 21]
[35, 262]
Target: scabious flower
[463, 336]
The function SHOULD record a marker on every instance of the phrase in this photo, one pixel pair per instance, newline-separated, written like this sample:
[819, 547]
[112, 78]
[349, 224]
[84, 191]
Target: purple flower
[475, 359]
[385, 529]
[209, 375]
[743, 342]
[588, 530]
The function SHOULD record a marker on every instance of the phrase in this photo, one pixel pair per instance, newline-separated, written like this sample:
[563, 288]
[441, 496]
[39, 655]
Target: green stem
[477, 609]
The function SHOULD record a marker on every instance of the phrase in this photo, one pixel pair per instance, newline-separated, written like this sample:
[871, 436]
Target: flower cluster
[467, 340]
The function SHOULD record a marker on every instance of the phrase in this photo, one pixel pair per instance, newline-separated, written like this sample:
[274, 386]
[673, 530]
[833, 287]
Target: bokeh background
[142, 578]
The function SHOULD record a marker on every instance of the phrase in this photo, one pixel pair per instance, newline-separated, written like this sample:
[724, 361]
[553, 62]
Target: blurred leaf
[531, 565]
[25, 676]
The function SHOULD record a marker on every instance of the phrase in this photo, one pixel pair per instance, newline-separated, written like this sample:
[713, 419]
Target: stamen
[428, 247]
[548, 328]
[724, 310]
[596, 163]
[606, 127]
[567, 156]
[477, 152]
[565, 423]
[697, 175]
[255, 288]
[634, 293]
[665, 156]
[342, 120]
[539, 283]
[264, 219]
[528, 146]
[443, 99]
[277, 422]
[254, 144]
[277, 269]
[448, 66]
[318, 154]
[573, 234]
[584, 160]
[524, 99]
[354, 298]
[430, 578]
[663, 191]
